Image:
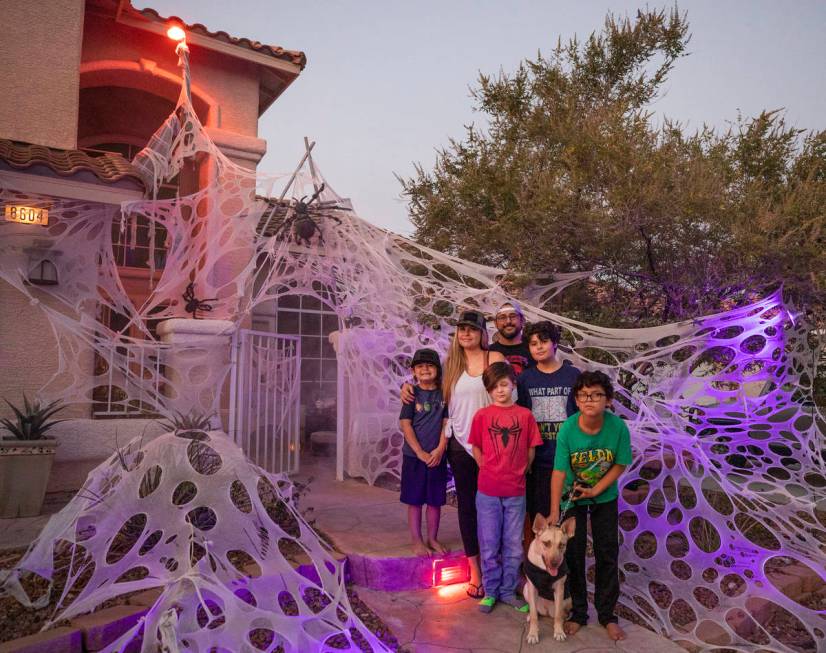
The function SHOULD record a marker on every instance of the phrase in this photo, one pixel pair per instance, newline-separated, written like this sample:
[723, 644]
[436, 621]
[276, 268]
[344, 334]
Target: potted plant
[26, 457]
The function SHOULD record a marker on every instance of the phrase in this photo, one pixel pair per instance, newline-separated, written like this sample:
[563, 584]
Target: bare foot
[615, 632]
[571, 628]
[420, 549]
[436, 546]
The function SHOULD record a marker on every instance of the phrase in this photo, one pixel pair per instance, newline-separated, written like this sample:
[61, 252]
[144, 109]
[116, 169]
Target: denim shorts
[422, 484]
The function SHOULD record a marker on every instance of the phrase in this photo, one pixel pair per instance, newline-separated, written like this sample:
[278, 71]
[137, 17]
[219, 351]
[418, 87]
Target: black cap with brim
[426, 356]
[472, 319]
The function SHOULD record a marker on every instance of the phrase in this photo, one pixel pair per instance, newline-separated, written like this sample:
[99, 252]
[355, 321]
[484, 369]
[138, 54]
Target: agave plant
[193, 425]
[33, 420]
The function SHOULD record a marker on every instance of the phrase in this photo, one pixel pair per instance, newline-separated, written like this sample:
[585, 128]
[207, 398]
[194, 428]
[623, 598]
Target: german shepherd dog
[546, 571]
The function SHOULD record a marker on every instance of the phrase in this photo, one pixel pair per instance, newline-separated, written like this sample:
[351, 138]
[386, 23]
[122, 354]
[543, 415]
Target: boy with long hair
[503, 437]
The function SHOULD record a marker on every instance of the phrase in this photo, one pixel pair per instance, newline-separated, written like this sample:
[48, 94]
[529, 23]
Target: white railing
[265, 398]
[132, 374]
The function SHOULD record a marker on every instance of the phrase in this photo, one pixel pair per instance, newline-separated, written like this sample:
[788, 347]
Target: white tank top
[469, 395]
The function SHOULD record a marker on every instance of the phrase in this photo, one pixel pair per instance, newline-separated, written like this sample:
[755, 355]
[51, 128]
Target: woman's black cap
[473, 319]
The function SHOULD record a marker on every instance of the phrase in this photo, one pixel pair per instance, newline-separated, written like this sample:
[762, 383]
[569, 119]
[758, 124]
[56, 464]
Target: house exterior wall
[28, 356]
[232, 84]
[79, 78]
[40, 55]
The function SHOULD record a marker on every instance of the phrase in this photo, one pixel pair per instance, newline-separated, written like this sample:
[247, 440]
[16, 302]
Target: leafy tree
[571, 174]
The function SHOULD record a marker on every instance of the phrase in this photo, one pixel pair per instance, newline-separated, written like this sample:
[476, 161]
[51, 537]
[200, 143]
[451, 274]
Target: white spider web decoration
[725, 500]
[190, 514]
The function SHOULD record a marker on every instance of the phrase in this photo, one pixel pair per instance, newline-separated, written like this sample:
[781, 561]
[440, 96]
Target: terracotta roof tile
[108, 167]
[293, 56]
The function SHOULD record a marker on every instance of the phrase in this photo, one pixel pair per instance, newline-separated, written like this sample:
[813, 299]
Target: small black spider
[193, 304]
[303, 226]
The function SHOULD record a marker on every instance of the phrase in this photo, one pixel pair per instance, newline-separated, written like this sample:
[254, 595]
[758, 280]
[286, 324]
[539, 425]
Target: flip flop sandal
[475, 591]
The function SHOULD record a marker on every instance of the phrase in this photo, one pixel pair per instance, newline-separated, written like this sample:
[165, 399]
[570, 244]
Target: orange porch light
[450, 571]
[176, 33]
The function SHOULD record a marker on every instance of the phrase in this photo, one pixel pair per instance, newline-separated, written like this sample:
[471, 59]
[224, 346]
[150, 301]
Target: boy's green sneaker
[486, 604]
[516, 603]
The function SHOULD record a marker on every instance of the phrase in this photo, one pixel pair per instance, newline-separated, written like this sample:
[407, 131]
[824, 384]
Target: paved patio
[363, 519]
[447, 621]
[370, 522]
[22, 531]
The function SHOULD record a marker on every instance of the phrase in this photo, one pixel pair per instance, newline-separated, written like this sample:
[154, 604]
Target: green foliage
[33, 420]
[572, 174]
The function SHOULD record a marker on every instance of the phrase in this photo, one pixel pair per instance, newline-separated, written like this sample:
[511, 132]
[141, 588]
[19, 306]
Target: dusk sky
[387, 83]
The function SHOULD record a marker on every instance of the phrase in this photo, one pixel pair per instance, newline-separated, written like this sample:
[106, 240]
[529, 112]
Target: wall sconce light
[43, 273]
[42, 270]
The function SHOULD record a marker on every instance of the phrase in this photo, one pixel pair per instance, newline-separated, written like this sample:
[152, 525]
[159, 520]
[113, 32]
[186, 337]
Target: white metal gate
[264, 417]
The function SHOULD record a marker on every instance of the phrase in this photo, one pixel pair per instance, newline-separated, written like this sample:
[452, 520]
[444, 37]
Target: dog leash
[565, 505]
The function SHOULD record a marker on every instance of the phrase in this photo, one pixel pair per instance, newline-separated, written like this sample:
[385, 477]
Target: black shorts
[422, 484]
[538, 492]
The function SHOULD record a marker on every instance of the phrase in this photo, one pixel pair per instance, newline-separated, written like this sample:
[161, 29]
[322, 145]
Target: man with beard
[509, 323]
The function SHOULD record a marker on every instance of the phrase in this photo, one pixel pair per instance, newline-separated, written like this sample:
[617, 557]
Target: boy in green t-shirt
[593, 448]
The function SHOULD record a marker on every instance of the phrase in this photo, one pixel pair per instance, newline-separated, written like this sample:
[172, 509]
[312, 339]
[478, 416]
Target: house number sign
[26, 214]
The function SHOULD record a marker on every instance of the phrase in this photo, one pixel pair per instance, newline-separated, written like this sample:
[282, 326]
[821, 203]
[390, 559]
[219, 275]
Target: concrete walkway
[363, 519]
[22, 531]
[447, 621]
[370, 522]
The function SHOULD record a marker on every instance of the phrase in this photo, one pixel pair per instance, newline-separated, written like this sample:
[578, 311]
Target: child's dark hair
[590, 379]
[495, 373]
[544, 330]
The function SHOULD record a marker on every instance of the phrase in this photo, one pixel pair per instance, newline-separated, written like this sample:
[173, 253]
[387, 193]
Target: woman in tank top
[464, 394]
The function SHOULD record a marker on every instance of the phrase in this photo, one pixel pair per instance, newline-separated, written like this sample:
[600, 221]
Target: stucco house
[82, 93]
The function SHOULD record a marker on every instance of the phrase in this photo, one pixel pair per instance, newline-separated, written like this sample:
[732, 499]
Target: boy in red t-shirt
[503, 437]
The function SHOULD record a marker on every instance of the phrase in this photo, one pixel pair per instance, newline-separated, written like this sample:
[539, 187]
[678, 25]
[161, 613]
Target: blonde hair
[456, 363]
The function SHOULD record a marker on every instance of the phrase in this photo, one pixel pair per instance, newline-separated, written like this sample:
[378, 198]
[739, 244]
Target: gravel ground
[16, 620]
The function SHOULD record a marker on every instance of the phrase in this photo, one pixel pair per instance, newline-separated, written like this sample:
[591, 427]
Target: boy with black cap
[424, 466]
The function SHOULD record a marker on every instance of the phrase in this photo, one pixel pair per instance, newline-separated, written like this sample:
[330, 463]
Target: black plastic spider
[193, 304]
[303, 226]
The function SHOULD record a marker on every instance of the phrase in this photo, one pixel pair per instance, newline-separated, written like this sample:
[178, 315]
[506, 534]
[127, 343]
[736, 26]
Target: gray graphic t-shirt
[550, 398]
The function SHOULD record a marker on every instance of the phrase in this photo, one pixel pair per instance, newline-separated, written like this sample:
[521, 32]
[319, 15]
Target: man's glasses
[592, 396]
[510, 317]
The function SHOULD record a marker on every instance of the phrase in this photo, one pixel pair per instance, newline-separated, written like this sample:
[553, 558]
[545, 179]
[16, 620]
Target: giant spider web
[722, 514]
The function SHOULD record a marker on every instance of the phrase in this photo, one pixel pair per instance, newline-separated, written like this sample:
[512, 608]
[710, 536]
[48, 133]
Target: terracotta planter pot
[24, 473]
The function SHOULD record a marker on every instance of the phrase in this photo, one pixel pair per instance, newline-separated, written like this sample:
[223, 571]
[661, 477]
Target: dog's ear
[569, 526]
[539, 523]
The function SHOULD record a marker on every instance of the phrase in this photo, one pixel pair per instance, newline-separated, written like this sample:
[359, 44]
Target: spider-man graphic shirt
[505, 434]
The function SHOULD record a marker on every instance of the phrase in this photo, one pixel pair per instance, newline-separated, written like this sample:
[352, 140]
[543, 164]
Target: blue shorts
[422, 484]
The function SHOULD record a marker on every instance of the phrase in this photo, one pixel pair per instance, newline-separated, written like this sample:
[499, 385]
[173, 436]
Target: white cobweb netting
[722, 514]
[189, 513]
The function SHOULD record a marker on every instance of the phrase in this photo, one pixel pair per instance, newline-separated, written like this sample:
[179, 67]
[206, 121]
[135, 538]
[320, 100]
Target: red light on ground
[451, 592]
[176, 33]
[450, 571]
